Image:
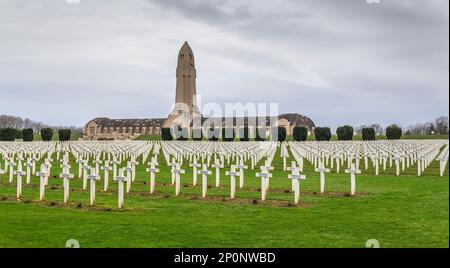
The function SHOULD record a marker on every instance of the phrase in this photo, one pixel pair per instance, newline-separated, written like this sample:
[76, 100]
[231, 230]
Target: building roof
[294, 120]
[150, 122]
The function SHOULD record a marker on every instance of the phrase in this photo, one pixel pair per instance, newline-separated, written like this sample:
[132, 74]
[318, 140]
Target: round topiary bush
[213, 134]
[300, 134]
[322, 133]
[345, 133]
[244, 134]
[278, 134]
[197, 134]
[166, 135]
[368, 134]
[228, 134]
[64, 134]
[393, 132]
[260, 134]
[180, 133]
[28, 134]
[8, 134]
[47, 134]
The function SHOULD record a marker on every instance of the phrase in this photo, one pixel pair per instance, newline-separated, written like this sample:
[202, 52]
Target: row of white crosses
[402, 154]
[443, 160]
[136, 150]
[202, 155]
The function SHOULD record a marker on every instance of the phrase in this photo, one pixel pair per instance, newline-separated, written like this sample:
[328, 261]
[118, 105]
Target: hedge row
[11, 134]
[344, 133]
[226, 134]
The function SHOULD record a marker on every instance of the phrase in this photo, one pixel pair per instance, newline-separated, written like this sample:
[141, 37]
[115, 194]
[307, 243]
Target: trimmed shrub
[368, 134]
[322, 133]
[244, 134]
[278, 134]
[197, 134]
[213, 134]
[19, 134]
[345, 133]
[166, 135]
[27, 134]
[47, 134]
[8, 134]
[227, 134]
[394, 132]
[64, 134]
[260, 134]
[180, 133]
[300, 133]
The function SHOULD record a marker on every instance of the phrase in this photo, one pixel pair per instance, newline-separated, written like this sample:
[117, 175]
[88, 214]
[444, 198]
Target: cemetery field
[398, 211]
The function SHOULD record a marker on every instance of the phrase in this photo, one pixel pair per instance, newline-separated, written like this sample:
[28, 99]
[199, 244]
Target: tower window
[181, 56]
[190, 56]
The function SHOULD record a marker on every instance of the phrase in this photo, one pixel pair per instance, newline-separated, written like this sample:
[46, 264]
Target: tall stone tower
[185, 108]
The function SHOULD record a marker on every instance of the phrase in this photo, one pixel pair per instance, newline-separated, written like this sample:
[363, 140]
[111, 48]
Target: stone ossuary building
[120, 129]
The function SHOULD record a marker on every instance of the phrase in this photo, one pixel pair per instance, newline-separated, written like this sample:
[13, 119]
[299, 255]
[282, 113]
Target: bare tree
[7, 121]
[441, 125]
[379, 130]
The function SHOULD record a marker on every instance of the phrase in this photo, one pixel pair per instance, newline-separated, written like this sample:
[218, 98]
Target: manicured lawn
[405, 211]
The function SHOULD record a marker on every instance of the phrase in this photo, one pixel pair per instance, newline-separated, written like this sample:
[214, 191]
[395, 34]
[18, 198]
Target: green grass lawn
[404, 211]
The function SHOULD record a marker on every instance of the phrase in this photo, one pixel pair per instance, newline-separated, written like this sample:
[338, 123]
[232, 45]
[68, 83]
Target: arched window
[190, 56]
[181, 56]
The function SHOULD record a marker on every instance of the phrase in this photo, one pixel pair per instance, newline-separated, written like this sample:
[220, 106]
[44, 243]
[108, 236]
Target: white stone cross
[1, 171]
[322, 171]
[80, 168]
[353, 171]
[232, 173]
[120, 180]
[152, 169]
[115, 163]
[241, 168]
[176, 172]
[194, 166]
[296, 177]
[19, 173]
[265, 176]
[97, 163]
[204, 172]
[66, 176]
[28, 165]
[86, 168]
[291, 168]
[106, 169]
[129, 170]
[42, 175]
[133, 166]
[376, 160]
[173, 165]
[218, 166]
[11, 170]
[93, 177]
[397, 164]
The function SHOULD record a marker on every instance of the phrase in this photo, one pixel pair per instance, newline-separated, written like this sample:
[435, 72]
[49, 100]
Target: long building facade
[185, 112]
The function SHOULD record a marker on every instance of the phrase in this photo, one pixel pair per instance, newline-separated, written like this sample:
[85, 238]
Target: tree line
[16, 128]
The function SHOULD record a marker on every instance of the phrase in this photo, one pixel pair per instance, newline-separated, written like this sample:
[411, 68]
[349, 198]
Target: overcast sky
[338, 62]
